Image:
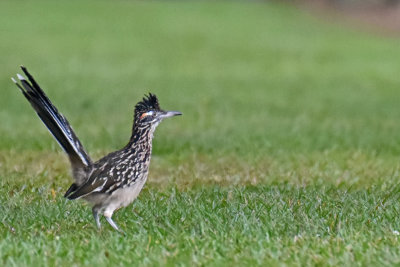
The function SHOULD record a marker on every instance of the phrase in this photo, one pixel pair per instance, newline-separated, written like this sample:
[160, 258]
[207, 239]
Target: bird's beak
[167, 114]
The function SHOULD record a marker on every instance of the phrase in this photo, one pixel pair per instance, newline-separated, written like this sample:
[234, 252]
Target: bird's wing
[101, 180]
[92, 186]
[106, 178]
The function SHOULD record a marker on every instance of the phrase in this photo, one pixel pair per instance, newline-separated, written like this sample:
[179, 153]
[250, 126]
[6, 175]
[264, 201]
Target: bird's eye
[146, 114]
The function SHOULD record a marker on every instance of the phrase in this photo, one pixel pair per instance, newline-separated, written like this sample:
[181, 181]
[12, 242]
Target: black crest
[149, 102]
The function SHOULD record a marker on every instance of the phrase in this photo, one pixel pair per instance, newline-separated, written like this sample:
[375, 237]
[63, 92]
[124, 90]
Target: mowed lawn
[287, 153]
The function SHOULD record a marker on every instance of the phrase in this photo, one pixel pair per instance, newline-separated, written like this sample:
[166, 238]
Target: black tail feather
[55, 122]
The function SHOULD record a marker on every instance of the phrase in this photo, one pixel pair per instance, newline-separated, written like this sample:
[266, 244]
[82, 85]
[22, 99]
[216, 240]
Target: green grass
[287, 153]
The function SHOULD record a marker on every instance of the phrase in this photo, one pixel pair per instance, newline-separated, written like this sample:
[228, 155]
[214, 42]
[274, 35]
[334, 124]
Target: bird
[114, 181]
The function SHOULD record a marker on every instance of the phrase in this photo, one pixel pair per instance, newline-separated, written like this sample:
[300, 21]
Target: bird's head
[148, 112]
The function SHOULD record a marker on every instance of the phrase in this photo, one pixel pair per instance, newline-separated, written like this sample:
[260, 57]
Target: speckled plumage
[115, 180]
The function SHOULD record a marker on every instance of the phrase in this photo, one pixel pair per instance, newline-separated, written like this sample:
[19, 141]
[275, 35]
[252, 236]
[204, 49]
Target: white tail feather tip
[20, 77]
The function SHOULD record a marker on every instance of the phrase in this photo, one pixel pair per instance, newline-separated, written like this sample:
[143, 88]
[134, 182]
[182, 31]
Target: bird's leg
[112, 223]
[95, 211]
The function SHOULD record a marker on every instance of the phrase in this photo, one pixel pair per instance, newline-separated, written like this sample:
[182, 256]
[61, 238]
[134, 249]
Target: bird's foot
[114, 225]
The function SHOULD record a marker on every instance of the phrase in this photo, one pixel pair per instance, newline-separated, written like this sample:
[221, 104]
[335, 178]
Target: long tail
[56, 123]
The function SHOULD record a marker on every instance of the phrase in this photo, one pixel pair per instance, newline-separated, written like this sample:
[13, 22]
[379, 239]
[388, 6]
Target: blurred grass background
[278, 106]
[248, 76]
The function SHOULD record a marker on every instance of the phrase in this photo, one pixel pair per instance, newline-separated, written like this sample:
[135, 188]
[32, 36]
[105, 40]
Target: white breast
[119, 198]
[125, 196]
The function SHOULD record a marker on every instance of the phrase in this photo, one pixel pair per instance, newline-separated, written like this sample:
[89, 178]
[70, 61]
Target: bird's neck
[141, 138]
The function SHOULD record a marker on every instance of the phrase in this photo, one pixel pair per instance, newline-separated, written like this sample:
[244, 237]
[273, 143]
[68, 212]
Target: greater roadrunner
[115, 180]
